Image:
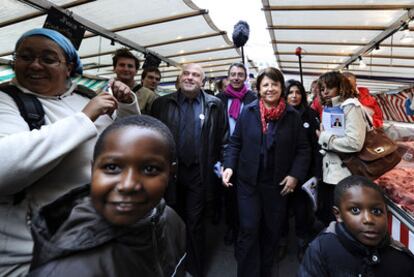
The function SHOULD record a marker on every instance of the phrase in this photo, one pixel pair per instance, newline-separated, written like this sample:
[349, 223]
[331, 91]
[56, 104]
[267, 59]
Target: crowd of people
[94, 188]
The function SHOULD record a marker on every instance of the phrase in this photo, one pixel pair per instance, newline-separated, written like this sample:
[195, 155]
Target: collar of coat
[254, 106]
[350, 101]
[71, 224]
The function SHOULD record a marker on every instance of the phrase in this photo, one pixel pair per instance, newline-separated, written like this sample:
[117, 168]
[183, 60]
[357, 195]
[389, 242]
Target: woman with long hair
[337, 91]
[299, 202]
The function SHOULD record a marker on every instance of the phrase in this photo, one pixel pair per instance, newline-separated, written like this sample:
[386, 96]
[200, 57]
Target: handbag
[378, 155]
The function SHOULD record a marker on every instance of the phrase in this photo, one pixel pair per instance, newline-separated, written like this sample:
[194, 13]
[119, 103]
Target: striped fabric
[6, 73]
[392, 106]
[400, 232]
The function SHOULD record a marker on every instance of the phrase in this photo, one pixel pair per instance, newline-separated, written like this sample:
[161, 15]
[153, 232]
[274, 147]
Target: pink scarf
[236, 96]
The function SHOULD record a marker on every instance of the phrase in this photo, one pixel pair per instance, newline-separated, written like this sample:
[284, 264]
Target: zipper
[155, 245]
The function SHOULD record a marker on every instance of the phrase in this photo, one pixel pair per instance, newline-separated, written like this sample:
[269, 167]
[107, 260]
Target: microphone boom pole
[241, 35]
[298, 53]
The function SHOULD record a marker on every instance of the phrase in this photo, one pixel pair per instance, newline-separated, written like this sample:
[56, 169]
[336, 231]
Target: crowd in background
[243, 149]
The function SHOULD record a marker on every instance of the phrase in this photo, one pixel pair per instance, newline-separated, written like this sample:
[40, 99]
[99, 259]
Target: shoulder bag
[378, 155]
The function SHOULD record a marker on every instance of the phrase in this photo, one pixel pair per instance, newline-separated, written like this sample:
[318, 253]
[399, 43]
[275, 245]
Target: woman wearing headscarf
[40, 165]
[299, 202]
[269, 153]
[234, 97]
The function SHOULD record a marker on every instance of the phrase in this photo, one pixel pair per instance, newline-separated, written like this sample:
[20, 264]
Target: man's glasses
[44, 59]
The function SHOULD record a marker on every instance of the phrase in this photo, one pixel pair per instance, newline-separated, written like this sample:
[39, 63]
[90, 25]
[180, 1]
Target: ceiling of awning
[334, 34]
[176, 30]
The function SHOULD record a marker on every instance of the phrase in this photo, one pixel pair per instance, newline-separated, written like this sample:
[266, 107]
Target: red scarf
[271, 114]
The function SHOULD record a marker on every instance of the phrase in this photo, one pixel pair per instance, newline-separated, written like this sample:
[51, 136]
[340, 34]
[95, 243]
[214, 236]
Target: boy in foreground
[357, 244]
[123, 227]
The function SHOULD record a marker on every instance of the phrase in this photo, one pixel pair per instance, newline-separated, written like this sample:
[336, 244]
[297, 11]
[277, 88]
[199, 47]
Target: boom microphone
[241, 33]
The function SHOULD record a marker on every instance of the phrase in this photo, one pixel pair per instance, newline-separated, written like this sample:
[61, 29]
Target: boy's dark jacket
[336, 253]
[72, 239]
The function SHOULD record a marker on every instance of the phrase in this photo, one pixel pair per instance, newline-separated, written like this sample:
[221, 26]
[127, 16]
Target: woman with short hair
[269, 153]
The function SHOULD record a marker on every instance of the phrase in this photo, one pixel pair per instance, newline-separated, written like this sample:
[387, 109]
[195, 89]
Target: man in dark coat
[198, 123]
[234, 97]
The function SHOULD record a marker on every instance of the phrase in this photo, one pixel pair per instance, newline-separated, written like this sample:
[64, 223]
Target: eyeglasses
[44, 59]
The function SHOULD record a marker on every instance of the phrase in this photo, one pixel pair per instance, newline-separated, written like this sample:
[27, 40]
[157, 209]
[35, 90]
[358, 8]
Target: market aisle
[223, 264]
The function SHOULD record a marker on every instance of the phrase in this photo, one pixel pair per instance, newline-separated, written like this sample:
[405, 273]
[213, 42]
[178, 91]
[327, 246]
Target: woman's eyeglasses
[44, 59]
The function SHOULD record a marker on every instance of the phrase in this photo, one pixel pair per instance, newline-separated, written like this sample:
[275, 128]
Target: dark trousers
[191, 203]
[326, 202]
[299, 203]
[261, 212]
[231, 207]
[215, 199]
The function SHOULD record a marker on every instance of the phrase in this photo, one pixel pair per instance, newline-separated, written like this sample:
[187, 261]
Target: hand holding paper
[310, 187]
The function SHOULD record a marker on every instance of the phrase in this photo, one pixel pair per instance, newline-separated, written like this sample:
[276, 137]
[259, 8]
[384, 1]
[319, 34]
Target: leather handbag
[378, 155]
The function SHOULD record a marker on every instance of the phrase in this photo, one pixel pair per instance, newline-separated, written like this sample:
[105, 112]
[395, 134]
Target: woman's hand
[321, 129]
[103, 103]
[226, 175]
[289, 184]
[121, 91]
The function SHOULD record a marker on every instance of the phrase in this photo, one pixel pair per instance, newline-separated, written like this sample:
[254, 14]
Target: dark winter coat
[291, 154]
[310, 121]
[214, 133]
[336, 253]
[248, 98]
[71, 239]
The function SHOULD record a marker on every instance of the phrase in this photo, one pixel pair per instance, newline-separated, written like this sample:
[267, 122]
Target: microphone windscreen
[241, 33]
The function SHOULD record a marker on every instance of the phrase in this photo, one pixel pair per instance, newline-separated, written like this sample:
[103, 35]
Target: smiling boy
[357, 244]
[124, 228]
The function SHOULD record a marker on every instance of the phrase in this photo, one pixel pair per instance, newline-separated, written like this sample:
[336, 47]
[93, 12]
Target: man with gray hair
[198, 123]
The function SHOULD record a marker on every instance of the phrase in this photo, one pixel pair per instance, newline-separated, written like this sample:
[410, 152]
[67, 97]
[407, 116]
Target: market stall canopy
[372, 39]
[176, 31]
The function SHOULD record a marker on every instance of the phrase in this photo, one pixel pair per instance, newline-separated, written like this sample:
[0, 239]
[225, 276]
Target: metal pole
[298, 52]
[300, 68]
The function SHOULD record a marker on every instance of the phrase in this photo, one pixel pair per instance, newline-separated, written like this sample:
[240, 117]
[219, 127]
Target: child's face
[328, 93]
[131, 174]
[363, 212]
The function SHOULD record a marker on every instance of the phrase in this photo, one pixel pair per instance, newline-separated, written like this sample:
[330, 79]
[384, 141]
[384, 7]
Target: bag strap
[33, 113]
[29, 106]
[367, 119]
[136, 88]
